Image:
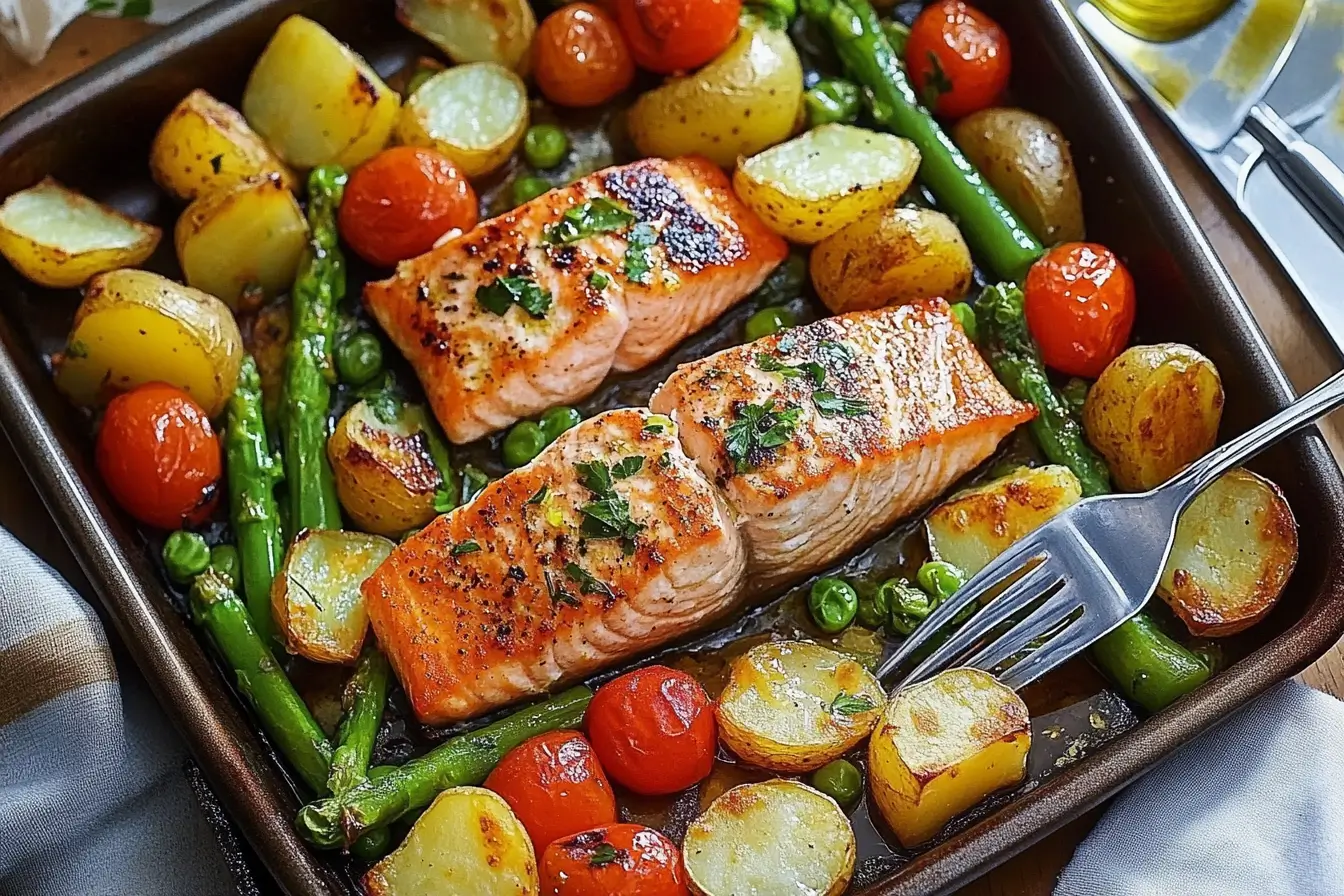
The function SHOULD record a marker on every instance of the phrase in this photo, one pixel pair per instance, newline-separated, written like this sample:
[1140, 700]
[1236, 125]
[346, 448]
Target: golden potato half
[315, 597]
[474, 30]
[386, 476]
[59, 238]
[205, 145]
[791, 706]
[474, 114]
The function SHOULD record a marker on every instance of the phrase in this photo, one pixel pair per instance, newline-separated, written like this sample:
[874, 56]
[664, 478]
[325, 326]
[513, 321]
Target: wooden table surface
[1303, 350]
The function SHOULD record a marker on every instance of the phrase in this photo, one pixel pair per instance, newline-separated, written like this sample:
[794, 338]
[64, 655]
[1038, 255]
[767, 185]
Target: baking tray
[93, 133]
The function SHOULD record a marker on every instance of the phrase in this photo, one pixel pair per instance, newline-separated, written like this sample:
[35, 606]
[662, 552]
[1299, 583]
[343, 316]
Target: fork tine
[993, 573]
[1056, 608]
[1064, 646]
[1011, 600]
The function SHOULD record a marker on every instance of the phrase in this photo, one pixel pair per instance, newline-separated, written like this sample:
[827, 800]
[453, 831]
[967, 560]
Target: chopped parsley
[828, 404]
[609, 515]
[587, 582]
[465, 547]
[473, 483]
[812, 369]
[638, 263]
[657, 425]
[444, 501]
[76, 349]
[558, 593]
[603, 854]
[539, 495]
[627, 467]
[499, 296]
[850, 705]
[597, 215]
[837, 354]
[759, 428]
[598, 280]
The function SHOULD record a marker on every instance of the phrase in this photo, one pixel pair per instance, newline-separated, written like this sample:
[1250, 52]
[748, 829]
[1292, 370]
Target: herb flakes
[828, 404]
[850, 705]
[587, 582]
[597, 215]
[465, 547]
[638, 262]
[499, 296]
[757, 429]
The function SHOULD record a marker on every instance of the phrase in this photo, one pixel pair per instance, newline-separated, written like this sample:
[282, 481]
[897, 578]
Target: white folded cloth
[29, 26]
[93, 801]
[1255, 807]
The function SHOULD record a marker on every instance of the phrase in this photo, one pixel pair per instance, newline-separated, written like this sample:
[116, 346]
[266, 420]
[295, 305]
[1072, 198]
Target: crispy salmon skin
[610, 543]
[533, 308]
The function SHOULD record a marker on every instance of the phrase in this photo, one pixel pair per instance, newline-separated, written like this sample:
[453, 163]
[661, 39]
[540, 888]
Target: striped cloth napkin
[93, 801]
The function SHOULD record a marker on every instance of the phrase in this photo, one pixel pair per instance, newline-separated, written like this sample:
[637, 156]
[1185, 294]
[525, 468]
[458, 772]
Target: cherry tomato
[159, 456]
[958, 58]
[653, 730]
[1080, 307]
[580, 57]
[667, 36]
[398, 203]
[553, 783]
[613, 860]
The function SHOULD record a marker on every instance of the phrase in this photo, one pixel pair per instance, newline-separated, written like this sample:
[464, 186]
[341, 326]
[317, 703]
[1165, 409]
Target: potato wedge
[315, 597]
[773, 837]
[468, 841]
[386, 476]
[944, 745]
[1153, 410]
[809, 187]
[315, 102]
[59, 238]
[1236, 546]
[242, 244]
[747, 99]
[474, 114]
[474, 30]
[135, 327]
[974, 526]
[205, 145]
[791, 706]
[1026, 159]
[889, 257]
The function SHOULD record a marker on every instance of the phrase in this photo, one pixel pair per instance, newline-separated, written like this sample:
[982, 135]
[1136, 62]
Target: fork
[1083, 573]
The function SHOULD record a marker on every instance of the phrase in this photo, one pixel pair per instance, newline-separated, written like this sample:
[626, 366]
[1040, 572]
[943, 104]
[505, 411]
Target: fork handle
[1201, 474]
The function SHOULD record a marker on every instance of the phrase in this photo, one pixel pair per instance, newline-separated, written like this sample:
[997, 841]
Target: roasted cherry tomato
[613, 860]
[653, 730]
[958, 58]
[159, 456]
[553, 783]
[398, 203]
[667, 36]
[1080, 307]
[580, 57]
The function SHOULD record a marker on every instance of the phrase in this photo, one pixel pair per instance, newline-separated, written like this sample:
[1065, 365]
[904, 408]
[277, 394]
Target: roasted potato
[974, 526]
[1026, 159]
[792, 707]
[134, 327]
[944, 745]
[474, 30]
[315, 102]
[1153, 410]
[205, 145]
[474, 114]
[242, 244]
[315, 597]
[773, 837]
[816, 183]
[889, 257]
[747, 99]
[59, 238]
[1236, 546]
[467, 842]
[386, 475]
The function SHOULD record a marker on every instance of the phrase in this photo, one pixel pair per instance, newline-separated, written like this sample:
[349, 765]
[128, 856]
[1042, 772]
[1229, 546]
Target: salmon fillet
[532, 309]
[610, 543]
[823, 435]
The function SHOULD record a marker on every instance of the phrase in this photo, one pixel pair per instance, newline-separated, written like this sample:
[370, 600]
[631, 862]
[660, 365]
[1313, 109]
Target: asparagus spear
[309, 369]
[282, 712]
[994, 232]
[1147, 666]
[253, 472]
[341, 819]
[363, 701]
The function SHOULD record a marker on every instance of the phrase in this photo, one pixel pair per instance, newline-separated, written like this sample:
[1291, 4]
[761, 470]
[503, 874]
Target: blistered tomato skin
[958, 58]
[400, 202]
[653, 730]
[669, 36]
[555, 786]
[613, 860]
[159, 456]
[580, 58]
[1080, 305]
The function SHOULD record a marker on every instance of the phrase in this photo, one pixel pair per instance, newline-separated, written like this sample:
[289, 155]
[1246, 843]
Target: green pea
[523, 443]
[545, 146]
[831, 100]
[939, 579]
[224, 560]
[419, 78]
[785, 282]
[372, 846]
[907, 606]
[769, 321]
[359, 359]
[833, 604]
[185, 556]
[558, 420]
[965, 316]
[525, 189]
[841, 780]
[873, 609]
